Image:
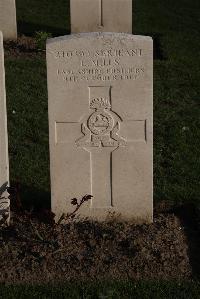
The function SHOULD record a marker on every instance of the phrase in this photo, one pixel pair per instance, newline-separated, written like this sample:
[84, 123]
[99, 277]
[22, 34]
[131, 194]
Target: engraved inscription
[99, 53]
[100, 65]
[95, 74]
[102, 126]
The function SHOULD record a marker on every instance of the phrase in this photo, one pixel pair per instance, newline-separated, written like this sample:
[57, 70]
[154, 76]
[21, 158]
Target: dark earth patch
[22, 47]
[36, 252]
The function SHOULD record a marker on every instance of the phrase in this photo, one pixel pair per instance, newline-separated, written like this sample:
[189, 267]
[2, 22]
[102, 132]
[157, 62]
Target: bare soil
[22, 47]
[32, 251]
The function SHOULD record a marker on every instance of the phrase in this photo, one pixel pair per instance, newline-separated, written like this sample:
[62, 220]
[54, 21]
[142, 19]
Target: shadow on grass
[190, 221]
[29, 29]
[158, 51]
[29, 198]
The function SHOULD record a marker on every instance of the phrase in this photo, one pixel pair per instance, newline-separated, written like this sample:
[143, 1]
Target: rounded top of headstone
[98, 35]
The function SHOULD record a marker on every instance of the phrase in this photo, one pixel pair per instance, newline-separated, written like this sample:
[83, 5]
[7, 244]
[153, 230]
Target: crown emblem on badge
[100, 103]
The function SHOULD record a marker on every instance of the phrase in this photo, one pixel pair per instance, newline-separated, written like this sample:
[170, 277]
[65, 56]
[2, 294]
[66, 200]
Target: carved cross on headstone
[101, 137]
[101, 15]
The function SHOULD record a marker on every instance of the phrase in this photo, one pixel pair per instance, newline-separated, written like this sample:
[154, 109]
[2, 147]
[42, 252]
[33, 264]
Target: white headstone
[101, 16]
[100, 88]
[8, 24]
[4, 170]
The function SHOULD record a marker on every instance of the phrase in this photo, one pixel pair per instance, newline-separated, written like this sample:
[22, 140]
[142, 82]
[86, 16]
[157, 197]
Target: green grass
[28, 126]
[176, 95]
[111, 290]
[46, 15]
[174, 26]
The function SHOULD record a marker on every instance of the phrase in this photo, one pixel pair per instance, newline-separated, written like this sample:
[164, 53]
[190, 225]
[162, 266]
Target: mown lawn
[175, 28]
[46, 15]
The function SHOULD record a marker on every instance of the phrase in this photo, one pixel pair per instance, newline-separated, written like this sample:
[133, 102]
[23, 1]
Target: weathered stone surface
[8, 24]
[4, 170]
[101, 16]
[100, 89]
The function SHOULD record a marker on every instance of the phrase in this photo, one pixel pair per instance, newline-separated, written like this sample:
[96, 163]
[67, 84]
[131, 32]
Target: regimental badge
[102, 126]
